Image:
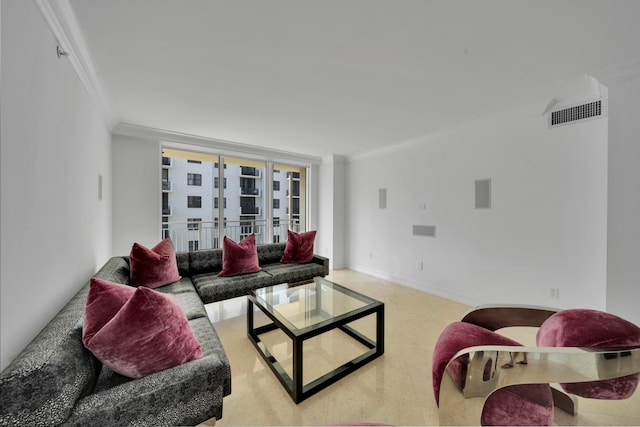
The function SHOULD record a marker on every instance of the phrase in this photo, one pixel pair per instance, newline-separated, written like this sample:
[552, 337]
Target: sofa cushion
[239, 258]
[115, 270]
[291, 273]
[595, 329]
[183, 285]
[212, 288]
[182, 261]
[191, 305]
[269, 253]
[212, 348]
[148, 334]
[299, 247]
[205, 261]
[153, 267]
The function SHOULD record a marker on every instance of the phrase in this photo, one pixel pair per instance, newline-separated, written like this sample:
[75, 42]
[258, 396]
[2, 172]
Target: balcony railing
[249, 171]
[249, 191]
[208, 234]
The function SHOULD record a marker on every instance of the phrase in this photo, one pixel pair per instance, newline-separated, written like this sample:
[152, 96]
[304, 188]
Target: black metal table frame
[294, 386]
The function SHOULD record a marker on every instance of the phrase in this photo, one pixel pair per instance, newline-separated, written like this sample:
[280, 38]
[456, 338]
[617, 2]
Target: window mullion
[268, 202]
[221, 221]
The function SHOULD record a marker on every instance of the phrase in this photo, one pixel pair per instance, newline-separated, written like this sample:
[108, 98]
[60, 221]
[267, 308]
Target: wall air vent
[590, 110]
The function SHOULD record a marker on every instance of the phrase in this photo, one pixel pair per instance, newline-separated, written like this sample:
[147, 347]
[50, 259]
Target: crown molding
[220, 146]
[334, 158]
[619, 73]
[62, 21]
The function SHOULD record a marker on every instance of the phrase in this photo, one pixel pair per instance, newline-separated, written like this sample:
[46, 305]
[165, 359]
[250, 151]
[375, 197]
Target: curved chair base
[469, 381]
[564, 401]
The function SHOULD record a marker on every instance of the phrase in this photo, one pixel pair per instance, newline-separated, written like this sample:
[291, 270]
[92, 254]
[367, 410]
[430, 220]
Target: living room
[79, 186]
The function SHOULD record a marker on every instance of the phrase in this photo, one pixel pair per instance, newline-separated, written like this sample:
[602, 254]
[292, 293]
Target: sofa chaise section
[204, 267]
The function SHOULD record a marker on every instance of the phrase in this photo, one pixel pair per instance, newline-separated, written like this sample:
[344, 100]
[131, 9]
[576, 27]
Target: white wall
[137, 189]
[338, 214]
[546, 228]
[623, 257]
[314, 202]
[55, 231]
[331, 232]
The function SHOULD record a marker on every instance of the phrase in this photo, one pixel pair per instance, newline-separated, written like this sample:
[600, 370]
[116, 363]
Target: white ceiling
[344, 76]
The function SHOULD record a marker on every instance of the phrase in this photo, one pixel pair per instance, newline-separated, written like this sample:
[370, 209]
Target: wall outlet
[419, 266]
[554, 292]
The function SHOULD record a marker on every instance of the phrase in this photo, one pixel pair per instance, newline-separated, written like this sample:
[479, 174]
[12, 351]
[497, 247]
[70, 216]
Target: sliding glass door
[206, 197]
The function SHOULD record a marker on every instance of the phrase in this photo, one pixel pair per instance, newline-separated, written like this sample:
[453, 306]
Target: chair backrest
[595, 330]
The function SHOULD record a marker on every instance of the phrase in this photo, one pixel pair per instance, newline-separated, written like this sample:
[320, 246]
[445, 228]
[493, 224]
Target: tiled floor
[393, 389]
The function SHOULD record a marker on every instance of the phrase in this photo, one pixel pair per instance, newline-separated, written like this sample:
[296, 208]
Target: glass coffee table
[305, 311]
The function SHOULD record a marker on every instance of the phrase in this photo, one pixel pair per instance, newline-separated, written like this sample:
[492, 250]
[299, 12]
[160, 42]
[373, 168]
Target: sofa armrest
[323, 261]
[494, 317]
[546, 365]
[48, 377]
[186, 394]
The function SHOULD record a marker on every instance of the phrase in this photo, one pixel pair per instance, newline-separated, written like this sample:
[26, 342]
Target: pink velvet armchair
[590, 353]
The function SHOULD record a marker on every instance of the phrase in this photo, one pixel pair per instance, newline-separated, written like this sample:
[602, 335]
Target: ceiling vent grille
[590, 110]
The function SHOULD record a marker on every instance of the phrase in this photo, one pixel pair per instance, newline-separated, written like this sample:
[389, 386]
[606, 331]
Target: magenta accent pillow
[299, 247]
[153, 267]
[149, 332]
[596, 329]
[530, 404]
[239, 258]
[104, 300]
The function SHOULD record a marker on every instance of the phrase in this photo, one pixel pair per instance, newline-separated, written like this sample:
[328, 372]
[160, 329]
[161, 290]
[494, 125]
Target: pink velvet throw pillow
[139, 335]
[299, 247]
[153, 267]
[594, 329]
[104, 300]
[239, 258]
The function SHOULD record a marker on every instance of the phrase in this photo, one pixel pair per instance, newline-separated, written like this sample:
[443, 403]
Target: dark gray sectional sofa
[55, 380]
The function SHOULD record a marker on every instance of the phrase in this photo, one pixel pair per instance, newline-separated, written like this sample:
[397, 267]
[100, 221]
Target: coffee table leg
[380, 330]
[250, 331]
[297, 369]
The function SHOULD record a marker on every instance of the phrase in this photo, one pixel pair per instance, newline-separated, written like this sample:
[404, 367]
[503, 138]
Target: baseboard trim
[419, 285]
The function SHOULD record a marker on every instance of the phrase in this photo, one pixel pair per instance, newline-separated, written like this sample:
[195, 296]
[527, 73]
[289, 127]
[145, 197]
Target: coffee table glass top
[296, 305]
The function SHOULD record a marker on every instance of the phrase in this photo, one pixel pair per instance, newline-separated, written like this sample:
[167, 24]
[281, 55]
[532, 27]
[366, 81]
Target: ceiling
[344, 77]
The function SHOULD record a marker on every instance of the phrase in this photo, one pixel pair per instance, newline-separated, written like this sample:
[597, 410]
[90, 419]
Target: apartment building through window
[261, 198]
